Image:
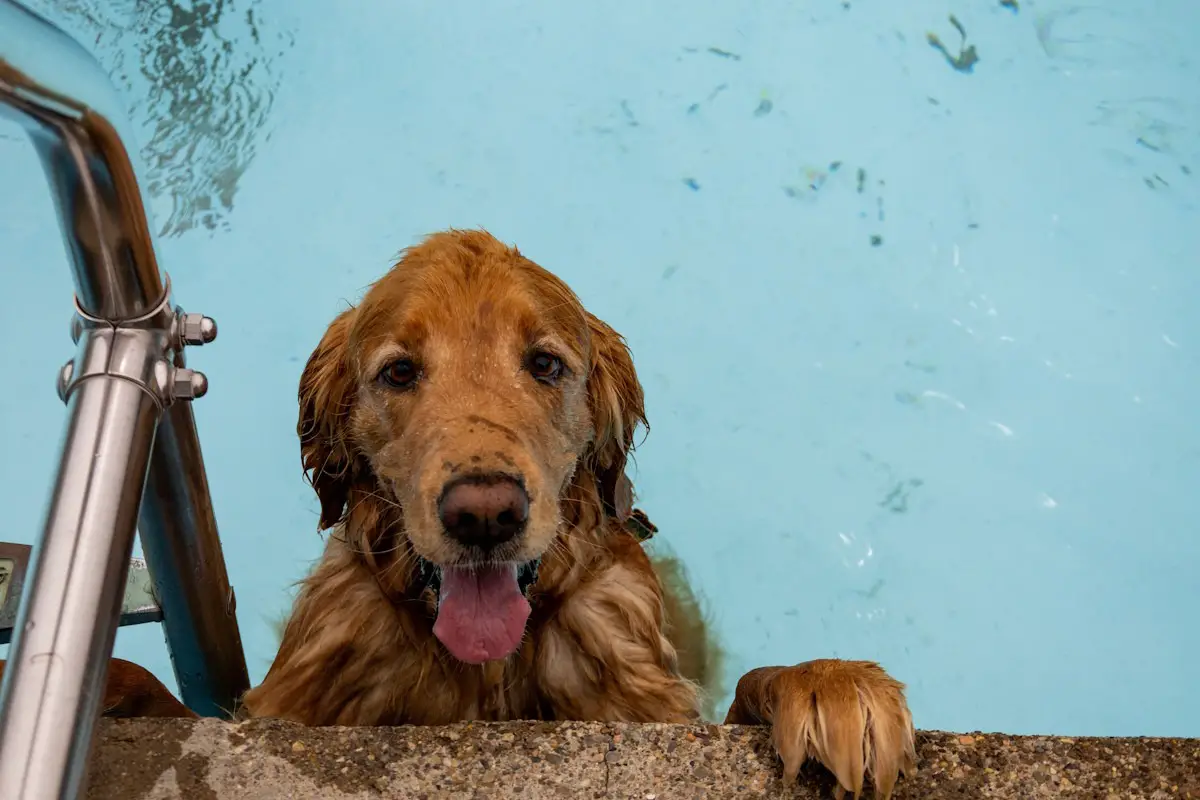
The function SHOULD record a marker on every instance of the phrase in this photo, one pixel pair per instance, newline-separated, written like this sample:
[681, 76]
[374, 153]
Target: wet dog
[466, 429]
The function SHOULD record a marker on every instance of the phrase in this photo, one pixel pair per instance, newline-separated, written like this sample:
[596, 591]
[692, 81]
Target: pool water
[916, 322]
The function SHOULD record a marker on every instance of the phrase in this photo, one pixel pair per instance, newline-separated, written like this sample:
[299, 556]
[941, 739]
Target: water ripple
[200, 79]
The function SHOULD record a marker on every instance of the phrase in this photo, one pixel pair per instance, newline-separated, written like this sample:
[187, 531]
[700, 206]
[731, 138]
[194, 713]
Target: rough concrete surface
[264, 760]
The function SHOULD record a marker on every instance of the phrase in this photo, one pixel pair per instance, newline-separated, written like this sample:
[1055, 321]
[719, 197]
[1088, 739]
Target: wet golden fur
[609, 637]
[686, 619]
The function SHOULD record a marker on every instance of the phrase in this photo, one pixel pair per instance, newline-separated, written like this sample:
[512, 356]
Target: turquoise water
[918, 335]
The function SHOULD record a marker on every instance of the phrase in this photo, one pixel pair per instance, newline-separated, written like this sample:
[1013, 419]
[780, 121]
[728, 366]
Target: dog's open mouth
[481, 608]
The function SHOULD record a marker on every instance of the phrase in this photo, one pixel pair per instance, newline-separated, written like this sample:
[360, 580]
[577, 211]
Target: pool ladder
[130, 458]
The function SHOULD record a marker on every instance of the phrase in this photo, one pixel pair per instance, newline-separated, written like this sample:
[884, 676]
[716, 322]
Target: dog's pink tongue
[481, 613]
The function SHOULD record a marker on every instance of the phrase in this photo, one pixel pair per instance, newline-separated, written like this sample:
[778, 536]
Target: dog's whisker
[389, 501]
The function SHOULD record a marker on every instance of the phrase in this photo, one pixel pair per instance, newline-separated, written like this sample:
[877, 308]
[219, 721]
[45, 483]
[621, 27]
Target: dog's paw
[132, 691]
[849, 715]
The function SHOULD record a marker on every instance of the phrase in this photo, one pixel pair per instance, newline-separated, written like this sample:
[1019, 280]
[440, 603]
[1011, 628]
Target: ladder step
[140, 604]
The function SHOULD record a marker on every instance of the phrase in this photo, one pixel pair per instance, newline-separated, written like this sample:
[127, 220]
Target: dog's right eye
[545, 367]
[400, 374]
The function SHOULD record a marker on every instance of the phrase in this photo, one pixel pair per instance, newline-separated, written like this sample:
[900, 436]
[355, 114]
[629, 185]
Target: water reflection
[200, 79]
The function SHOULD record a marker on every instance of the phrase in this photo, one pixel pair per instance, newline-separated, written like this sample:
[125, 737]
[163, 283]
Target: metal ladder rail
[131, 457]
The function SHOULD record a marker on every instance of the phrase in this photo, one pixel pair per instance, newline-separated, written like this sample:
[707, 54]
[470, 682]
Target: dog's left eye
[400, 374]
[545, 367]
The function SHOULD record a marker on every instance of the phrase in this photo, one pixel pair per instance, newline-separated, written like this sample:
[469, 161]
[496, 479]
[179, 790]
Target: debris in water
[896, 500]
[716, 51]
[694, 107]
[691, 184]
[816, 178]
[967, 56]
[630, 119]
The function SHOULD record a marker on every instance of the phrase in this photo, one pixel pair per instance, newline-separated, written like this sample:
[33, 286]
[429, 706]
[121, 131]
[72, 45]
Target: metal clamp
[146, 351]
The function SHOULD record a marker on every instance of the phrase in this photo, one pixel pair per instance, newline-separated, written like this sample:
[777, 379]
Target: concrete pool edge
[155, 758]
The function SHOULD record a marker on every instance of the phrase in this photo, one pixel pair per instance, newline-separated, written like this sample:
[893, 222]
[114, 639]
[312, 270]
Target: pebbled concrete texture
[263, 760]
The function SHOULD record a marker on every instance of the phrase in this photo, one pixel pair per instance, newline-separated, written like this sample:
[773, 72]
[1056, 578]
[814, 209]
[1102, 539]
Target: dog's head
[473, 401]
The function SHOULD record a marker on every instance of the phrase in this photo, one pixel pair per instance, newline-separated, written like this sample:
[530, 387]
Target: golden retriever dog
[466, 428]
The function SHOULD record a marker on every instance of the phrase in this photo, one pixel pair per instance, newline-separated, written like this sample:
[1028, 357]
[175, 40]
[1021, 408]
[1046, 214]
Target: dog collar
[640, 525]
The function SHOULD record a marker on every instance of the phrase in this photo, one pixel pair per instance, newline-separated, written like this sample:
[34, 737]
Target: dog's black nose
[484, 511]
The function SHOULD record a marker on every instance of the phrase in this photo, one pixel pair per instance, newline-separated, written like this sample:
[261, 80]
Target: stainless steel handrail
[131, 456]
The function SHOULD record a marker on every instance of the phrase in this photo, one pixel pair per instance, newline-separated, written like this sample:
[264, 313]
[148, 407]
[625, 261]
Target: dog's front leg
[849, 715]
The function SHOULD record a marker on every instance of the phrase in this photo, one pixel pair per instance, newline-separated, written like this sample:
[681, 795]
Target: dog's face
[470, 388]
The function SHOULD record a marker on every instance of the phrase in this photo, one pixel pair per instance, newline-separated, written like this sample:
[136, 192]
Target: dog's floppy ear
[617, 405]
[327, 391]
